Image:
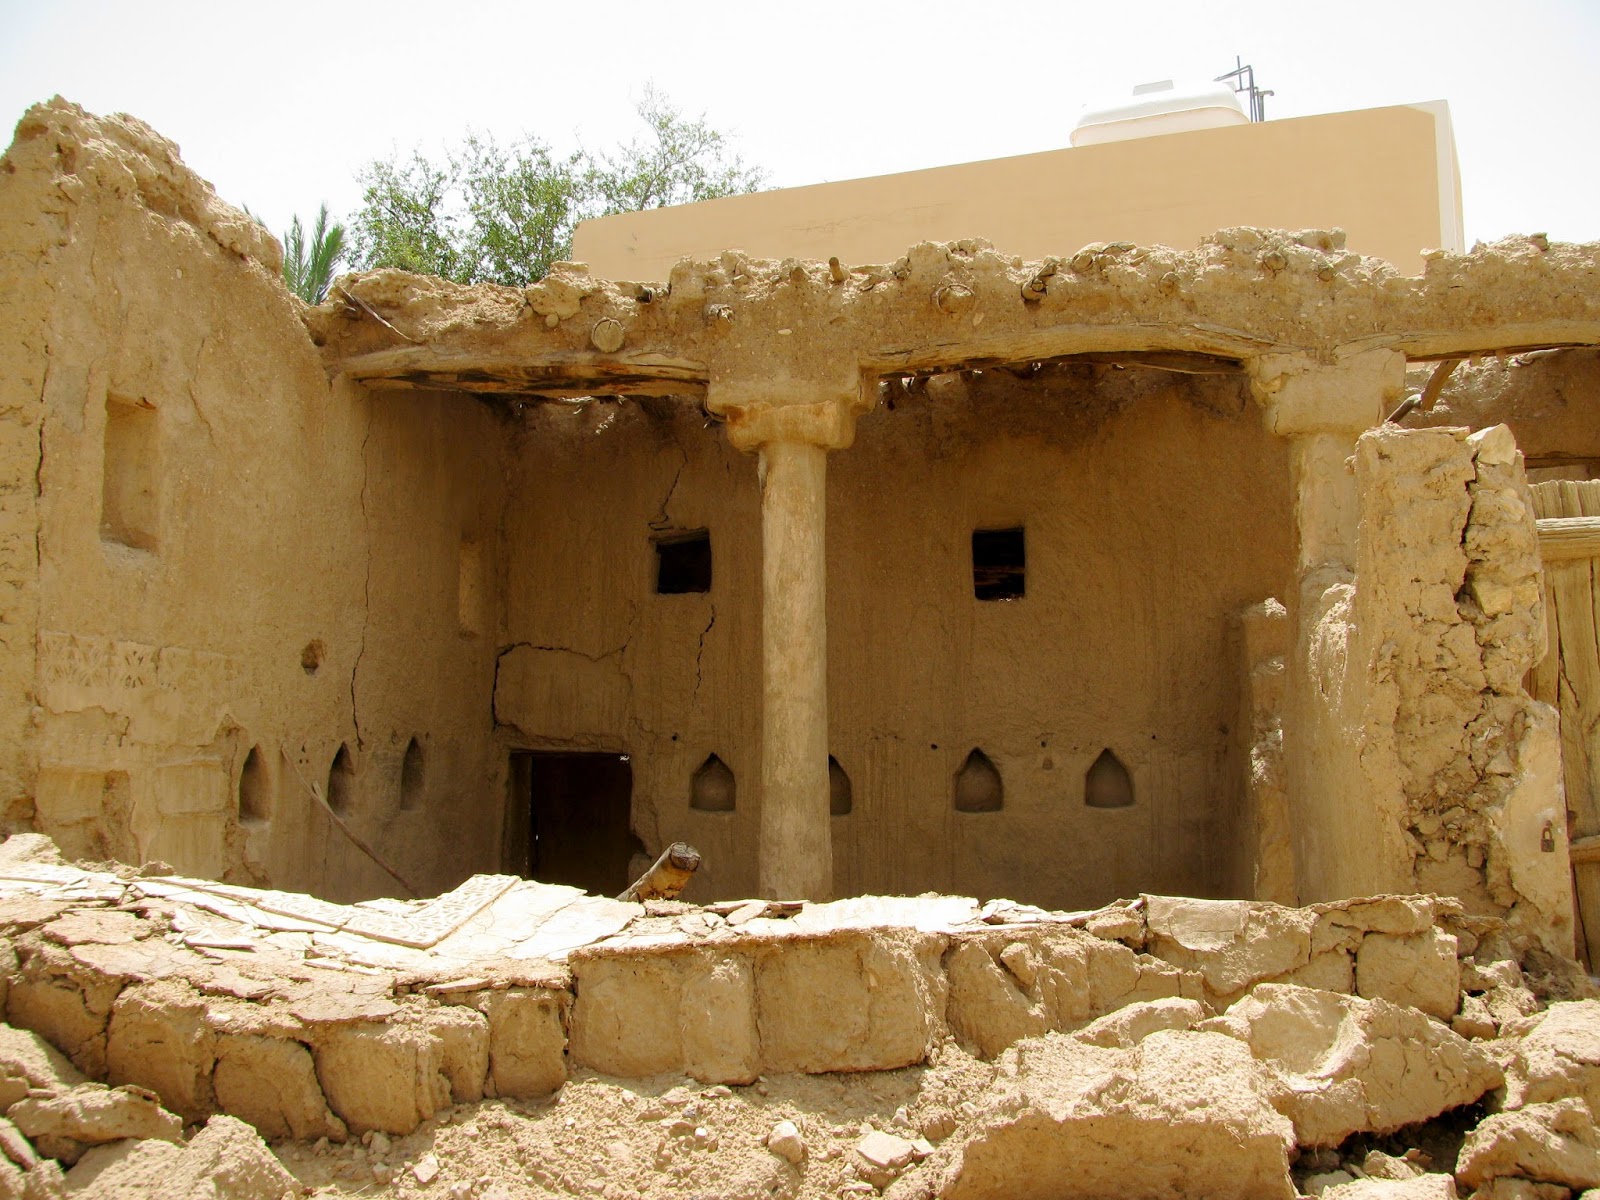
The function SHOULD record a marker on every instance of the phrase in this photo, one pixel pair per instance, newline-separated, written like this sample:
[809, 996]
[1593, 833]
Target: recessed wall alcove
[341, 781]
[841, 795]
[1107, 783]
[713, 788]
[979, 788]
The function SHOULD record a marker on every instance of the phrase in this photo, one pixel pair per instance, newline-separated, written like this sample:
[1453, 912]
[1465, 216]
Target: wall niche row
[978, 785]
[713, 788]
[1107, 783]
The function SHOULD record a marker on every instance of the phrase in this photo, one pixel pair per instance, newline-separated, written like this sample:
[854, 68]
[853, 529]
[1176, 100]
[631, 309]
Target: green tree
[405, 219]
[521, 208]
[503, 214]
[308, 265]
[680, 161]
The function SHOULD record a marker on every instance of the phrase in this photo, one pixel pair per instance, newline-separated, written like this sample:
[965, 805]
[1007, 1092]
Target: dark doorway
[568, 819]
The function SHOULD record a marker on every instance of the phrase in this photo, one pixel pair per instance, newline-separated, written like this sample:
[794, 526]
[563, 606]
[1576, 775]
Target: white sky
[279, 104]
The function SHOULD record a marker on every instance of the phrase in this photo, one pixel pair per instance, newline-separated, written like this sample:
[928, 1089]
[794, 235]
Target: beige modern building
[1387, 176]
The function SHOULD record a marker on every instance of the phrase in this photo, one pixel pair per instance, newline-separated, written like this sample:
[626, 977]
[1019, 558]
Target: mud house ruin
[1061, 580]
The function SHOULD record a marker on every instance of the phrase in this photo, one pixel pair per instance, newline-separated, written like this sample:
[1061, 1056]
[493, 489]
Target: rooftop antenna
[1243, 79]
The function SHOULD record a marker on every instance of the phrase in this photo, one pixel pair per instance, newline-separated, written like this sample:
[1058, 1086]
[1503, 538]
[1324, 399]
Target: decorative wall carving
[177, 689]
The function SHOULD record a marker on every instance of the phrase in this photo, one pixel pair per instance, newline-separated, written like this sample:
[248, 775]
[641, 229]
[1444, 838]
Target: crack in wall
[194, 390]
[700, 652]
[366, 587]
[661, 520]
[499, 657]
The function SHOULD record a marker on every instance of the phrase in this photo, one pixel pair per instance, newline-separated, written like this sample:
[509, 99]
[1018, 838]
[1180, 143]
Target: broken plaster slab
[420, 927]
[437, 919]
[581, 923]
[34, 872]
[927, 914]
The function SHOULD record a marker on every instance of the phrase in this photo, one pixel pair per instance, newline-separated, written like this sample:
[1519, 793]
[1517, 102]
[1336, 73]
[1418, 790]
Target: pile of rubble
[516, 1039]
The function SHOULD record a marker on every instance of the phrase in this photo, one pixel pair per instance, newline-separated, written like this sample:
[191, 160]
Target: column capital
[1348, 394]
[816, 410]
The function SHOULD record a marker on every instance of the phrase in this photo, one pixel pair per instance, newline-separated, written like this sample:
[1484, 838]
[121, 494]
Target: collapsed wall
[1227, 1040]
[1434, 769]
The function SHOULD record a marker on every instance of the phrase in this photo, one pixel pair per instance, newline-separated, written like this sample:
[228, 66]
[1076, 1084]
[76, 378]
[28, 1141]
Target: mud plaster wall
[1418, 762]
[1155, 509]
[270, 513]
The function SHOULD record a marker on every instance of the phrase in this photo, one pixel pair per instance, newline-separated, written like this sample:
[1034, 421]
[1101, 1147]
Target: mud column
[1343, 845]
[795, 847]
[793, 440]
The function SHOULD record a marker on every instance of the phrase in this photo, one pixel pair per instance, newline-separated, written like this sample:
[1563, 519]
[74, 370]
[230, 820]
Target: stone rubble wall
[1155, 1047]
[1447, 773]
[1478, 759]
[137, 989]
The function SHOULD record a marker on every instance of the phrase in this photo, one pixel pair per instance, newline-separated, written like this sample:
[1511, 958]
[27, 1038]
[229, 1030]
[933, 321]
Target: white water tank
[1160, 107]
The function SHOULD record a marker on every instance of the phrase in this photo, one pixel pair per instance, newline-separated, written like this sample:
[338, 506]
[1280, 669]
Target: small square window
[683, 562]
[999, 563]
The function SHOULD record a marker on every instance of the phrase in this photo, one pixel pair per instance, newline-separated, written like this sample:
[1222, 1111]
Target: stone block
[225, 1161]
[527, 1040]
[27, 1056]
[625, 1013]
[1420, 971]
[849, 1002]
[1355, 1066]
[1330, 971]
[987, 1008]
[1130, 1025]
[65, 1003]
[1547, 1143]
[89, 1114]
[271, 1083]
[158, 1038]
[464, 1046]
[721, 1043]
[1557, 1056]
[387, 1077]
[1231, 944]
[193, 843]
[191, 789]
[1180, 1114]
[691, 1011]
[66, 796]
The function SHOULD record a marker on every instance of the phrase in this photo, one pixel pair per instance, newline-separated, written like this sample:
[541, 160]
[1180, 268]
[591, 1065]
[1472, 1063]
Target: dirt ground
[668, 1136]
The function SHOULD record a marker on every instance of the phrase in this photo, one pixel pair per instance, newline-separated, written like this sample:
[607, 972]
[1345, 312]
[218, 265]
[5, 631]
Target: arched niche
[978, 785]
[1107, 783]
[413, 776]
[255, 789]
[341, 781]
[841, 796]
[713, 788]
